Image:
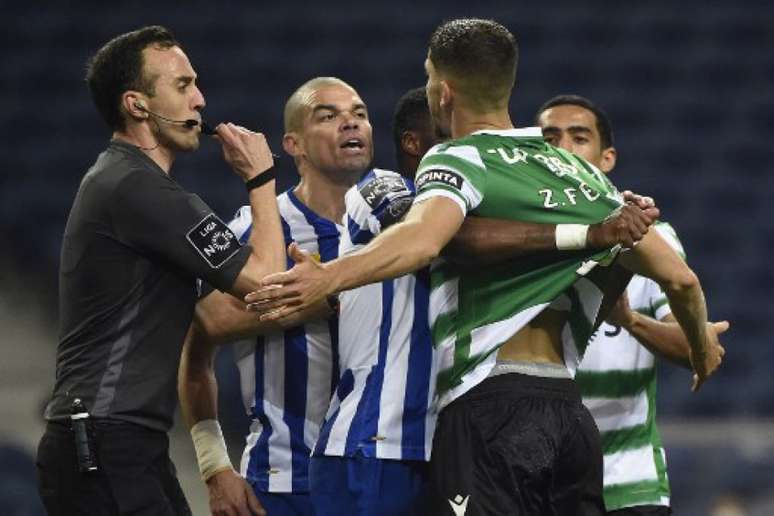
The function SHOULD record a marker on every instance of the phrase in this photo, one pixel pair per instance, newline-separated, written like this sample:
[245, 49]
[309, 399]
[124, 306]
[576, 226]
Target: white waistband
[546, 370]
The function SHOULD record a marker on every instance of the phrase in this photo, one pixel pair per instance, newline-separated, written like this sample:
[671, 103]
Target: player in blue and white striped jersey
[287, 377]
[381, 419]
[288, 373]
[383, 407]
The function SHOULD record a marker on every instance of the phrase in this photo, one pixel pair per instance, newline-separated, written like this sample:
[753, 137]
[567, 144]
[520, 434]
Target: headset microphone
[191, 122]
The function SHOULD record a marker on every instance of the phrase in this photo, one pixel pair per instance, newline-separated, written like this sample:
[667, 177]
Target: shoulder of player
[668, 233]
[136, 183]
[242, 221]
[453, 155]
[375, 188]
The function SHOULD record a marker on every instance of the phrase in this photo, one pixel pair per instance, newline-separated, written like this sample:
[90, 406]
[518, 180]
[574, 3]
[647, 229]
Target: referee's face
[336, 136]
[176, 96]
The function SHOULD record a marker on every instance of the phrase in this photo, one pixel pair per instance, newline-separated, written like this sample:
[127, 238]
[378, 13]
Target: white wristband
[571, 237]
[210, 448]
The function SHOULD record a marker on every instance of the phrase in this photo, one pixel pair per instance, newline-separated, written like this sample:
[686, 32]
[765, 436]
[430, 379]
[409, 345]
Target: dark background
[689, 87]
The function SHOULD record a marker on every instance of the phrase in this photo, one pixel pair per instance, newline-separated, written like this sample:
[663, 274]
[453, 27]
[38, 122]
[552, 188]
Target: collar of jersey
[521, 132]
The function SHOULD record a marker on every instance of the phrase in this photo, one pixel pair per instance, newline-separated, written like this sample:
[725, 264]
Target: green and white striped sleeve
[453, 171]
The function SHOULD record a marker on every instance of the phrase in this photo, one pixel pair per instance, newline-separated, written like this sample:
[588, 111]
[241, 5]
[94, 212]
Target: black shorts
[517, 445]
[135, 474]
[642, 510]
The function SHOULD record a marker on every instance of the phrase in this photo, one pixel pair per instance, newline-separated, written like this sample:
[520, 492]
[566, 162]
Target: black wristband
[260, 179]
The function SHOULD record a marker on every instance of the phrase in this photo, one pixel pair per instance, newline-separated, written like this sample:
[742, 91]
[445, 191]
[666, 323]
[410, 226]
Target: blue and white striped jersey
[287, 378]
[384, 403]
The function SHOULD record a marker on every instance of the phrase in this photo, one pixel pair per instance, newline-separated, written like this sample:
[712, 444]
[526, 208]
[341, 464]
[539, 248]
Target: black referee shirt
[134, 244]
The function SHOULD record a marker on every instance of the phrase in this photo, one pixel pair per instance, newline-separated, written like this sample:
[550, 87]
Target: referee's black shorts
[135, 473]
[517, 445]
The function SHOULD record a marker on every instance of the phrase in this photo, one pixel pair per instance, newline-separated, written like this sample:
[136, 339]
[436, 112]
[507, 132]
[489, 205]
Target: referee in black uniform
[134, 244]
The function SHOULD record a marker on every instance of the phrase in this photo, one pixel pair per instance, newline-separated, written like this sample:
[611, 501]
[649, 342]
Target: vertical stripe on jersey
[416, 402]
[302, 428]
[328, 249]
[345, 386]
[296, 366]
[290, 391]
[257, 453]
[368, 407]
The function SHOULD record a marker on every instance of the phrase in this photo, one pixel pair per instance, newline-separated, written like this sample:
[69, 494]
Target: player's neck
[148, 145]
[465, 122]
[324, 196]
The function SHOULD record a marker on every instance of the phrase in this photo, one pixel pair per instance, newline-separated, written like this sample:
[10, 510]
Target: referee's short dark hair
[411, 113]
[118, 67]
[604, 126]
[481, 55]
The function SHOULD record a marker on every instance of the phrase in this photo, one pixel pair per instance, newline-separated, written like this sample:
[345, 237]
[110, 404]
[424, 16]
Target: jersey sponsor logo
[213, 240]
[459, 505]
[376, 190]
[440, 176]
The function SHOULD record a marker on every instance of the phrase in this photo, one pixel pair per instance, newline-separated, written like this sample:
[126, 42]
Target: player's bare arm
[223, 318]
[249, 155]
[483, 240]
[229, 493]
[402, 248]
[662, 337]
[655, 259]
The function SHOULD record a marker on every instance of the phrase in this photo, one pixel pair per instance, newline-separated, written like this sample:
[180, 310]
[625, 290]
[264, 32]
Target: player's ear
[292, 143]
[447, 94]
[409, 142]
[607, 163]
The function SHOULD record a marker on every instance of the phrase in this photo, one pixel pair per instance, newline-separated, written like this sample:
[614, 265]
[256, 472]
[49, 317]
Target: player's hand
[286, 293]
[627, 227]
[621, 314]
[247, 152]
[231, 495]
[707, 363]
[642, 201]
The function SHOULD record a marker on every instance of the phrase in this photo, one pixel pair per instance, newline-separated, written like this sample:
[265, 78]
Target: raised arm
[250, 157]
[655, 259]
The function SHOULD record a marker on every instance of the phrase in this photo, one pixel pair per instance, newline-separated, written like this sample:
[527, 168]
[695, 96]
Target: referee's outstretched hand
[247, 152]
[231, 495]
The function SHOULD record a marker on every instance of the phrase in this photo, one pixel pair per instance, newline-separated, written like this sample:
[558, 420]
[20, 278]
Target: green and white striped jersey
[512, 174]
[617, 377]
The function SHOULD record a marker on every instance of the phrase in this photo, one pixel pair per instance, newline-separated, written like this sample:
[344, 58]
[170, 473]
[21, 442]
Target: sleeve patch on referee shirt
[213, 240]
[440, 176]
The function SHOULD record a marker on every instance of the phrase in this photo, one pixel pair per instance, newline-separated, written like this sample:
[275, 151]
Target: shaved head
[298, 102]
